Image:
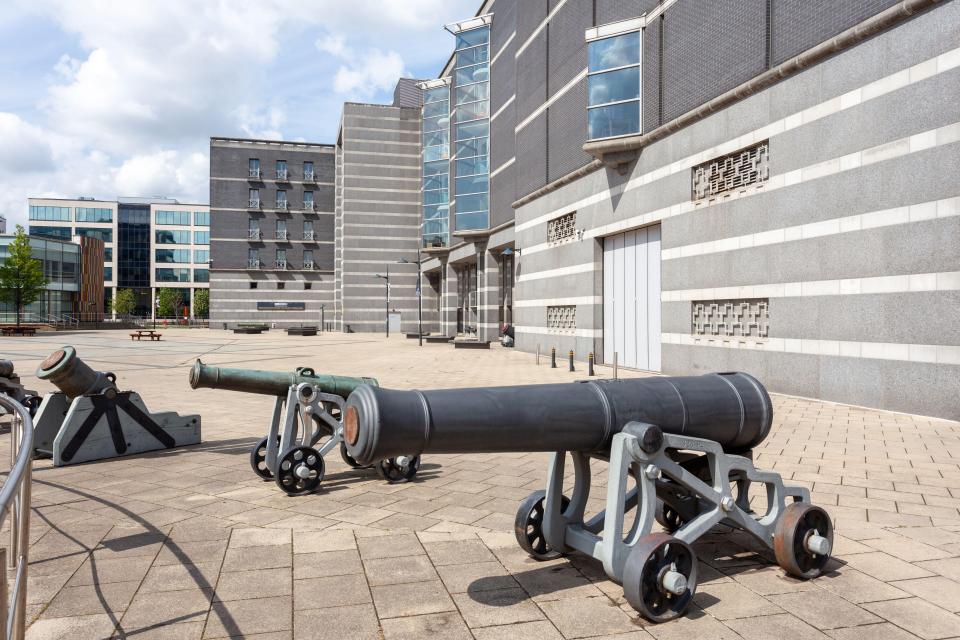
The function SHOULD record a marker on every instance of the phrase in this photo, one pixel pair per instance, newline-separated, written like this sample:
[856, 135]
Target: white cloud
[23, 147]
[370, 72]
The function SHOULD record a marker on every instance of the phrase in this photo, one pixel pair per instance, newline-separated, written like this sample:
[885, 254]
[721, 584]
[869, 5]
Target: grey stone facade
[270, 291]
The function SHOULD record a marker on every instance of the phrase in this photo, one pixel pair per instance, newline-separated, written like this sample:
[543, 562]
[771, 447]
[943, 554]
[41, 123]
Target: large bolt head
[674, 582]
[727, 504]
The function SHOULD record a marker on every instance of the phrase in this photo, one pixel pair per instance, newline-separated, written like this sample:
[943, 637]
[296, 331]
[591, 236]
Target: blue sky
[119, 97]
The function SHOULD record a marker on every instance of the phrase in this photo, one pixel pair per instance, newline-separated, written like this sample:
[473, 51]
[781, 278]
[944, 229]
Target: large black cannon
[685, 441]
[306, 423]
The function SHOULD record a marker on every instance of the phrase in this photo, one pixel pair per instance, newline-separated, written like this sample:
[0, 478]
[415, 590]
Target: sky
[108, 98]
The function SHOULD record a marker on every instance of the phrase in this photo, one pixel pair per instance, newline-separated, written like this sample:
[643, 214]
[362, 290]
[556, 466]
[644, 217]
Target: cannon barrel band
[732, 409]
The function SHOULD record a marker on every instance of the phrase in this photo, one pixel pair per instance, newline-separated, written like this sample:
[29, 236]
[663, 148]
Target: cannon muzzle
[270, 383]
[72, 375]
[732, 409]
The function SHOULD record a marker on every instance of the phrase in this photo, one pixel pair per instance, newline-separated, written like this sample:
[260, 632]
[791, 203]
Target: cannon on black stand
[10, 386]
[306, 424]
[685, 441]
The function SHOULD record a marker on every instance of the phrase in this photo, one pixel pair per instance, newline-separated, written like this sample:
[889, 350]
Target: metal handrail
[16, 490]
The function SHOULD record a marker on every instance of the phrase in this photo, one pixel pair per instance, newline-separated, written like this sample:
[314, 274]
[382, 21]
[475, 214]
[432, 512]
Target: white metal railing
[253, 264]
[15, 500]
[308, 265]
[308, 235]
[253, 234]
[254, 173]
[308, 176]
[309, 206]
[281, 264]
[253, 204]
[282, 205]
[283, 175]
[281, 234]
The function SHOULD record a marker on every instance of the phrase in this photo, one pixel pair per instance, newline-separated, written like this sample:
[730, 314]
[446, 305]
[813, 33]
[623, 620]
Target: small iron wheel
[299, 471]
[258, 460]
[528, 526]
[351, 462]
[399, 469]
[660, 577]
[668, 517]
[803, 540]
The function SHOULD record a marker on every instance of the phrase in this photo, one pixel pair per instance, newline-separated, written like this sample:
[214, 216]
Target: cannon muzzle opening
[72, 375]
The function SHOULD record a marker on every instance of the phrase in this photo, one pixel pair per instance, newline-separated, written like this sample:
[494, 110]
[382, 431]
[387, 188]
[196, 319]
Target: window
[201, 237]
[172, 236]
[613, 86]
[281, 199]
[107, 274]
[282, 170]
[308, 200]
[281, 285]
[173, 217]
[254, 166]
[253, 258]
[201, 256]
[172, 275]
[281, 230]
[282, 257]
[308, 259]
[57, 233]
[253, 196]
[253, 228]
[307, 286]
[308, 230]
[91, 214]
[201, 218]
[45, 213]
[108, 254]
[472, 128]
[253, 285]
[172, 255]
[308, 175]
[436, 165]
[201, 275]
[92, 232]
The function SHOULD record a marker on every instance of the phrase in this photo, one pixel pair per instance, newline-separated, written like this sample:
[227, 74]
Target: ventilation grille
[732, 171]
[747, 317]
[562, 319]
[562, 228]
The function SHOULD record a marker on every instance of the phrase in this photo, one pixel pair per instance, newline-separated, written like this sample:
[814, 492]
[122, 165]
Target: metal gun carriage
[684, 441]
[305, 426]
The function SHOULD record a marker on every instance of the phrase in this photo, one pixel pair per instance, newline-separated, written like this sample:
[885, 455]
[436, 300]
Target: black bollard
[571, 360]
[553, 357]
[590, 364]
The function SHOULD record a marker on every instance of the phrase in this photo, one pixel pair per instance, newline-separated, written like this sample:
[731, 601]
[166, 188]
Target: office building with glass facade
[62, 267]
[149, 243]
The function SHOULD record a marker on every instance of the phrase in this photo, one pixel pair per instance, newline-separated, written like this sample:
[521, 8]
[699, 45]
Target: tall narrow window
[613, 86]
[281, 258]
[282, 170]
[282, 199]
[308, 259]
[253, 201]
[253, 228]
[308, 200]
[308, 175]
[308, 230]
[253, 258]
[253, 164]
[436, 163]
[472, 128]
[281, 229]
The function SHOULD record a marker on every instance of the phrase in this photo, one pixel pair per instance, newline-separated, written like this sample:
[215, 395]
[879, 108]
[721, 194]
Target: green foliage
[201, 303]
[21, 276]
[169, 302]
[124, 302]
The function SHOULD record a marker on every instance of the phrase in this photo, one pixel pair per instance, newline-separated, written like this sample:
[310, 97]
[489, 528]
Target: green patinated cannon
[308, 409]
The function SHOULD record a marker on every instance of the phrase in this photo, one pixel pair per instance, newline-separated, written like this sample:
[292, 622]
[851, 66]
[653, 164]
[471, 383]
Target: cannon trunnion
[684, 442]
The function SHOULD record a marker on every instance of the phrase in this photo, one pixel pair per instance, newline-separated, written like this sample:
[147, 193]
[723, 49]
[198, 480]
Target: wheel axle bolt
[652, 471]
[302, 471]
[674, 582]
[402, 461]
[818, 544]
[727, 504]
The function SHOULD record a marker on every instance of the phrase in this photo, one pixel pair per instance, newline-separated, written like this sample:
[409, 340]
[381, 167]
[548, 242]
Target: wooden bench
[19, 331]
[149, 333]
[302, 331]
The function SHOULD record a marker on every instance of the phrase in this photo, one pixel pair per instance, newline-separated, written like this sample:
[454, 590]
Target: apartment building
[272, 227]
[149, 243]
[686, 186]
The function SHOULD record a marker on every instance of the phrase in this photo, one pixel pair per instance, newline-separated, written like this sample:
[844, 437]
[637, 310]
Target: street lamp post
[387, 279]
[419, 298]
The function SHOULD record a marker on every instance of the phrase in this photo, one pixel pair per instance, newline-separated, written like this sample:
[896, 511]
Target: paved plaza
[189, 543]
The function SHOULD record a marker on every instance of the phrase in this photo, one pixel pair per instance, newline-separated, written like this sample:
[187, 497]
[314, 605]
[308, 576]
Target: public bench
[302, 331]
[19, 331]
[145, 333]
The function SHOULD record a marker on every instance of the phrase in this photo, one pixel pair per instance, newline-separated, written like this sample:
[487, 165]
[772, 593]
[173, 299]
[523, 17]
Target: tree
[169, 302]
[124, 302]
[21, 276]
[201, 303]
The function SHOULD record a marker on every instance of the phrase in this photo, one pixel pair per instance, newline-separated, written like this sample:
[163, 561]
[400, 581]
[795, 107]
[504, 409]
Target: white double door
[631, 298]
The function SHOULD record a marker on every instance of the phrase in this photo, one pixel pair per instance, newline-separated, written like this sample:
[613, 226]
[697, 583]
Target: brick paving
[190, 544]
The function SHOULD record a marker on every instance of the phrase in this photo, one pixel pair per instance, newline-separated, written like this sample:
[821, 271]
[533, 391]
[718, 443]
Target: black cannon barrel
[732, 409]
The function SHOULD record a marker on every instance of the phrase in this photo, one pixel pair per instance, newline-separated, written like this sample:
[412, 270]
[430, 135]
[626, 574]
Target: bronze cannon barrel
[271, 383]
[72, 375]
[732, 409]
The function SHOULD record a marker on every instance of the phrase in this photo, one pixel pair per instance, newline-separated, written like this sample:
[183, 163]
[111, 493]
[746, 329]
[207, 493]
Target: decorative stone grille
[562, 228]
[732, 171]
[562, 319]
[748, 317]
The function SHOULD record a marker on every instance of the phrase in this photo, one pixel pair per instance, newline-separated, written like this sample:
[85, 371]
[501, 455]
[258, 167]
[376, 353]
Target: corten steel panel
[567, 47]
[801, 24]
[531, 156]
[503, 137]
[710, 47]
[530, 13]
[616, 10]
[532, 76]
[567, 132]
[650, 77]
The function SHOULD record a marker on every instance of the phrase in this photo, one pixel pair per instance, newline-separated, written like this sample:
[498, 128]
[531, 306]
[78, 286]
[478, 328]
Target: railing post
[4, 596]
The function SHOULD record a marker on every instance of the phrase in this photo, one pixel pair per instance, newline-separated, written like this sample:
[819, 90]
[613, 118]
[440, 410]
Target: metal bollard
[538, 354]
[553, 357]
[571, 360]
[615, 354]
[590, 364]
